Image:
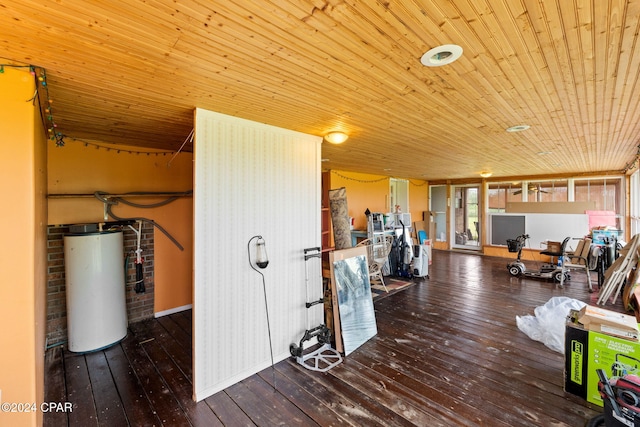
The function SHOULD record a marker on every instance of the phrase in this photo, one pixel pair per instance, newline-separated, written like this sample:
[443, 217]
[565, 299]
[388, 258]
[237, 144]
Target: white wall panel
[250, 179]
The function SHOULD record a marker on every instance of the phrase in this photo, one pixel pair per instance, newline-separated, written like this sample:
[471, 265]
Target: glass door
[438, 206]
[465, 217]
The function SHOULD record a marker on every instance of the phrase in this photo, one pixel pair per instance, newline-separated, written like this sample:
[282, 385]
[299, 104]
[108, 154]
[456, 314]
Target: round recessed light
[441, 55]
[518, 128]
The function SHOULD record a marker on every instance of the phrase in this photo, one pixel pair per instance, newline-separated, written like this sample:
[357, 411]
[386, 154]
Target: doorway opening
[398, 195]
[466, 217]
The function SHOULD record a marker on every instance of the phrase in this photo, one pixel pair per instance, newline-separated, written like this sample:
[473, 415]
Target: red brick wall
[139, 306]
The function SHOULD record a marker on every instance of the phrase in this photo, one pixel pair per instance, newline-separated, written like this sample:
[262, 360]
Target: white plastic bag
[548, 324]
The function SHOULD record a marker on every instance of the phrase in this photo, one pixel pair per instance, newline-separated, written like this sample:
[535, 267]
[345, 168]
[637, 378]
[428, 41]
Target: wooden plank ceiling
[132, 72]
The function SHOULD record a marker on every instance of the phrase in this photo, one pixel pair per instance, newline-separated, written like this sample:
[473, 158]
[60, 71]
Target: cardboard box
[553, 246]
[420, 226]
[599, 236]
[429, 218]
[585, 351]
[608, 322]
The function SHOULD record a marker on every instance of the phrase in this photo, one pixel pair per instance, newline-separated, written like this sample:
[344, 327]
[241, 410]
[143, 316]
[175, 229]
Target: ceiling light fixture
[485, 174]
[441, 55]
[518, 128]
[336, 137]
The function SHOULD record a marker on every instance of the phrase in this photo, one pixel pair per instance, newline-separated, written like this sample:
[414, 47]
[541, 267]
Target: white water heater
[95, 288]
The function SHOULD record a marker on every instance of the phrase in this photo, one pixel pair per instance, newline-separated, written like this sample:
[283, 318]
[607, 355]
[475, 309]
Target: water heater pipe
[139, 284]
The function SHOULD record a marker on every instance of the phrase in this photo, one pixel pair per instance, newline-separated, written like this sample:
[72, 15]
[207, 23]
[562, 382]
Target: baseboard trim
[173, 310]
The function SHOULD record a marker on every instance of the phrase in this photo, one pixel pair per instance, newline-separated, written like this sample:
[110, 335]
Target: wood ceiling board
[568, 68]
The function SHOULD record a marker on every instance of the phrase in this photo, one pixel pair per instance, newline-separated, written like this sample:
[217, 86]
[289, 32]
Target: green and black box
[586, 351]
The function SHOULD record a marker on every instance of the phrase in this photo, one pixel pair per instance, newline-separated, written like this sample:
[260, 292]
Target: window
[634, 203]
[547, 191]
[537, 191]
[502, 193]
[606, 193]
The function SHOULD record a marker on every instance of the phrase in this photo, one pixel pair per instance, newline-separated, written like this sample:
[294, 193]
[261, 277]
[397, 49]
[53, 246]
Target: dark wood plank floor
[447, 353]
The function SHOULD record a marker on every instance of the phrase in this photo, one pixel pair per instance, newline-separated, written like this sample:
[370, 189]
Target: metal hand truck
[324, 357]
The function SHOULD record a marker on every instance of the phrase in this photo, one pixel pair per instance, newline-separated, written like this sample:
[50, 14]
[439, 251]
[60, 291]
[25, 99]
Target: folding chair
[577, 259]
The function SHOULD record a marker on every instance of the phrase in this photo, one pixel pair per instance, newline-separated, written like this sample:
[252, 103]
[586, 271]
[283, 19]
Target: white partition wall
[541, 227]
[250, 179]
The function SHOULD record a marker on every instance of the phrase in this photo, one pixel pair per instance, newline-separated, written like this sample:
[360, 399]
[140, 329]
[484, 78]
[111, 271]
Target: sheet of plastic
[548, 323]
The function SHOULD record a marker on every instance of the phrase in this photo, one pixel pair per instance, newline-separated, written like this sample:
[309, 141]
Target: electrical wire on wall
[110, 201]
[189, 138]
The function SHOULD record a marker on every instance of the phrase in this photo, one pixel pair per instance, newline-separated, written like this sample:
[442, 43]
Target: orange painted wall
[23, 252]
[418, 198]
[363, 191]
[77, 168]
[372, 192]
